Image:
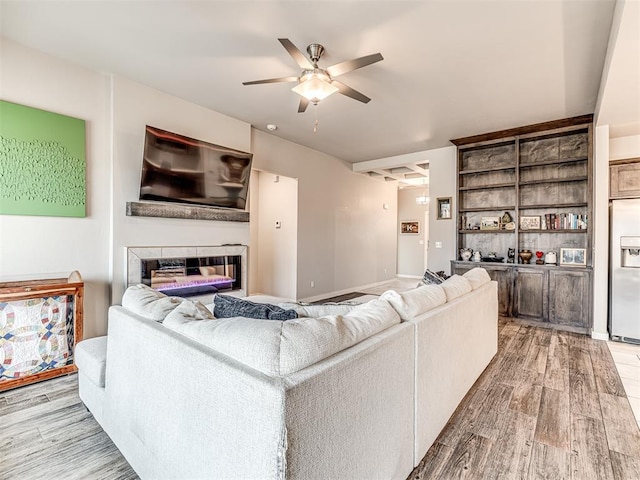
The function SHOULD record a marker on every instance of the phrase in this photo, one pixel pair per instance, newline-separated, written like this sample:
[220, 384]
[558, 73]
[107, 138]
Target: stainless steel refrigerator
[624, 318]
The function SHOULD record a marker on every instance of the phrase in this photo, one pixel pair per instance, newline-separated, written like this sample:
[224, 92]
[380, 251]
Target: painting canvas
[42, 162]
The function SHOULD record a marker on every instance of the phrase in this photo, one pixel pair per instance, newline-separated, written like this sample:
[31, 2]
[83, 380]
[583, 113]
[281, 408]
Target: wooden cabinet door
[504, 277]
[569, 297]
[500, 273]
[625, 180]
[531, 292]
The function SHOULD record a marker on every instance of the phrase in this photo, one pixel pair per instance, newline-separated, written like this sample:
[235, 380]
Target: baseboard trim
[600, 336]
[336, 293]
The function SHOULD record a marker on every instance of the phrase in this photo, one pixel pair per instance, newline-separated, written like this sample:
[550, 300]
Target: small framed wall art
[410, 227]
[530, 223]
[489, 223]
[573, 257]
[444, 208]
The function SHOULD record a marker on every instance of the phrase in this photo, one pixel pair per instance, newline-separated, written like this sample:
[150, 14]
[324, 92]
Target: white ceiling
[451, 68]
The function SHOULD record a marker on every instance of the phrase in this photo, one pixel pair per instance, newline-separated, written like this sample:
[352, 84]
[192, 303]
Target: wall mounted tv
[176, 168]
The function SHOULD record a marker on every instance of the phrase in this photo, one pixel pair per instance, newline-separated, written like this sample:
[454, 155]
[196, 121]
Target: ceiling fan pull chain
[315, 113]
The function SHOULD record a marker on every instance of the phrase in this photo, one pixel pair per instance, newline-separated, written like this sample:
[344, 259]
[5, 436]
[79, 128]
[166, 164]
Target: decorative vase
[539, 260]
[525, 256]
[465, 254]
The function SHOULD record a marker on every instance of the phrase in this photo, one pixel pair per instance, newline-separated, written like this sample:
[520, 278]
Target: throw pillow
[415, 302]
[477, 277]
[149, 303]
[431, 278]
[455, 286]
[225, 306]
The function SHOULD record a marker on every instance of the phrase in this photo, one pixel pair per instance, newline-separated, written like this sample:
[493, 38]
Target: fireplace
[189, 271]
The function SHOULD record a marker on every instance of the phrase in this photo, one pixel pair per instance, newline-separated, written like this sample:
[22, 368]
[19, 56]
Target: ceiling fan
[315, 83]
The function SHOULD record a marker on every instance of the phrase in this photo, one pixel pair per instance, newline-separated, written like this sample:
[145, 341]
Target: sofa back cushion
[280, 348]
[477, 277]
[414, 302]
[319, 310]
[149, 303]
[455, 286]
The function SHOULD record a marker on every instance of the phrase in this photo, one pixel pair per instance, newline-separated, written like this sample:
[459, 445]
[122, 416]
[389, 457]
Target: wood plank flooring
[549, 406]
[46, 433]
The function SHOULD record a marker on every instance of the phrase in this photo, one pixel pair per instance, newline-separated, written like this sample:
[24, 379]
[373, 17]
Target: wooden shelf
[486, 231]
[486, 170]
[553, 205]
[484, 187]
[575, 230]
[553, 162]
[555, 180]
[487, 209]
[496, 173]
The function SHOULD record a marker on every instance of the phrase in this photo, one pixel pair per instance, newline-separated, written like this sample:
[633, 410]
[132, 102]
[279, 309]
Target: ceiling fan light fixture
[315, 86]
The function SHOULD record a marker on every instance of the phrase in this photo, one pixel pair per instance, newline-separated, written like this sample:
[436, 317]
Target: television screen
[176, 168]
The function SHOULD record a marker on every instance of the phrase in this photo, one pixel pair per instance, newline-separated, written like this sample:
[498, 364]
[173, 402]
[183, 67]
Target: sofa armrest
[194, 411]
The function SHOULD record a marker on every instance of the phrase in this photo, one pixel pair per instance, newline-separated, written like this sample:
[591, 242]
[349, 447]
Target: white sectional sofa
[357, 395]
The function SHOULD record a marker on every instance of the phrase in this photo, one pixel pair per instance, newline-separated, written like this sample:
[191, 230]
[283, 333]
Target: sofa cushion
[455, 286]
[280, 348]
[414, 302]
[226, 306]
[320, 310]
[477, 277]
[91, 359]
[191, 310]
[149, 303]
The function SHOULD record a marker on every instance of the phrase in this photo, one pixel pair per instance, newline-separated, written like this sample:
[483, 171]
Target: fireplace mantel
[193, 212]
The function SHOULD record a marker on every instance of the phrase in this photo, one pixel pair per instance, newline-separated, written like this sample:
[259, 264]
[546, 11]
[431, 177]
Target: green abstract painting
[42, 162]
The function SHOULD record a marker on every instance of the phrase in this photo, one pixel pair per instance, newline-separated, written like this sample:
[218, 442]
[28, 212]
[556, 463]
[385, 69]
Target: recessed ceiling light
[271, 127]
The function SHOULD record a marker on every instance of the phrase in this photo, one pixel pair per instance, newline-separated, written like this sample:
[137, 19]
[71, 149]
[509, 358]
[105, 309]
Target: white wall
[135, 106]
[601, 232]
[442, 183]
[617, 109]
[411, 247]
[624, 147]
[345, 237]
[275, 267]
[47, 247]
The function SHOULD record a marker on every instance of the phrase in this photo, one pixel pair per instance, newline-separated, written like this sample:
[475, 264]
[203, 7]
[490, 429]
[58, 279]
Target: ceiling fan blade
[304, 103]
[297, 55]
[350, 92]
[272, 80]
[350, 65]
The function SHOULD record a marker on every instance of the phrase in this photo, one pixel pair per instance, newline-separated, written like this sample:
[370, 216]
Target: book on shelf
[565, 221]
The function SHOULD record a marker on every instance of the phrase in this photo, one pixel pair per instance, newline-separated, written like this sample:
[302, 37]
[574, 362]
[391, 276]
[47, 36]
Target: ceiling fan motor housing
[315, 51]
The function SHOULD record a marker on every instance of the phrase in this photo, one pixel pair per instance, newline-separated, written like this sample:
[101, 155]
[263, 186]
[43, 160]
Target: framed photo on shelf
[573, 256]
[410, 227]
[530, 222]
[444, 208]
[489, 223]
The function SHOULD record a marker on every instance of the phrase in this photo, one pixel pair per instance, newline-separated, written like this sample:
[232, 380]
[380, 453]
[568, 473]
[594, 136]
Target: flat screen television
[180, 169]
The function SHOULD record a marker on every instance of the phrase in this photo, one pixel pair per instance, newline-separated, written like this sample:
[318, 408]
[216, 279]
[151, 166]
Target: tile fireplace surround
[135, 255]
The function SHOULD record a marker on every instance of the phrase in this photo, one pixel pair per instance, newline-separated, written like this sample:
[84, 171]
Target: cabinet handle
[27, 289]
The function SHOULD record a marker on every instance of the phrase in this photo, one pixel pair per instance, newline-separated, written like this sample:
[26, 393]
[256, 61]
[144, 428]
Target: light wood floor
[549, 406]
